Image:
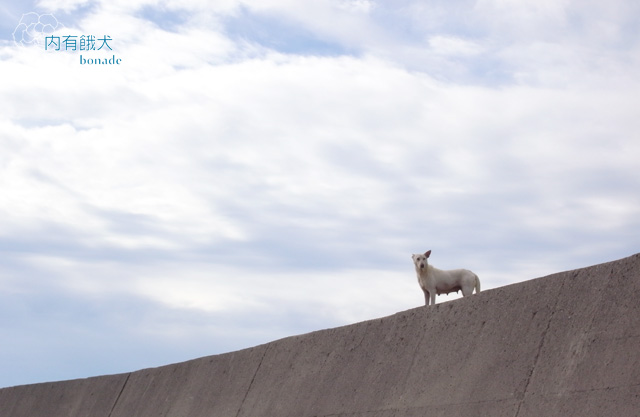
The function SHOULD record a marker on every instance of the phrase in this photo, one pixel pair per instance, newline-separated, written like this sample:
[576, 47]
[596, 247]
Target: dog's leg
[433, 298]
[426, 297]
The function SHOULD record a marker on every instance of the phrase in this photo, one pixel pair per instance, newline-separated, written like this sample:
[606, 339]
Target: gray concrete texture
[564, 345]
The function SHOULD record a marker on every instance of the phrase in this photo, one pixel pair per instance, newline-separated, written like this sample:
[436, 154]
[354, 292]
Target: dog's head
[420, 261]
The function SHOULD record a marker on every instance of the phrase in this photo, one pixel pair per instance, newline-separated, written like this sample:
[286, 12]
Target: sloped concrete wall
[563, 345]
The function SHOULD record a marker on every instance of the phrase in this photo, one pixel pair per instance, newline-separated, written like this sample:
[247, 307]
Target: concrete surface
[564, 345]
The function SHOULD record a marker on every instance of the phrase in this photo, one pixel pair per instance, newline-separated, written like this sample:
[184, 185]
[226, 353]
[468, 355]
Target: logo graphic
[43, 30]
[33, 28]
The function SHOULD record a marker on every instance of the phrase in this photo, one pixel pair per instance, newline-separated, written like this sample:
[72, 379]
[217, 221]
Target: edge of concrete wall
[565, 344]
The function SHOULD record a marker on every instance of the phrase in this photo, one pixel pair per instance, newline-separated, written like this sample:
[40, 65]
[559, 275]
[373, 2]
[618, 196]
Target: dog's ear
[427, 253]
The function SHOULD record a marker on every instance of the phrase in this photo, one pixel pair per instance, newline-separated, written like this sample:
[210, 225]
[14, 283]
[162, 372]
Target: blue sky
[258, 169]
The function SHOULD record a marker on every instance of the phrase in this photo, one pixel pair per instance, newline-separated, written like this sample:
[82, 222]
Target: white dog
[436, 281]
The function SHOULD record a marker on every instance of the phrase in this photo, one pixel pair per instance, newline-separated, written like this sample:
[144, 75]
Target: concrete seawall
[564, 345]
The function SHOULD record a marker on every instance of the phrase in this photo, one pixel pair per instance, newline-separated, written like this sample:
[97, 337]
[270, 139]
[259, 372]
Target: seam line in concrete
[543, 338]
[246, 394]
[119, 394]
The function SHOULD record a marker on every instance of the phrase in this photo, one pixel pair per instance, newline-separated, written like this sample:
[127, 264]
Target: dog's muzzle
[421, 266]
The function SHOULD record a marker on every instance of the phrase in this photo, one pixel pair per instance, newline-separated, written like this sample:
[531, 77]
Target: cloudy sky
[255, 169]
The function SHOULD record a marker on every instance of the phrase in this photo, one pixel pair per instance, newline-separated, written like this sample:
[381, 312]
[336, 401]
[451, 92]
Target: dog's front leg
[426, 297]
[433, 298]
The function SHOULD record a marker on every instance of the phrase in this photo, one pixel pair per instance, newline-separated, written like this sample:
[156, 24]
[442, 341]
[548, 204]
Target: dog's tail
[477, 284]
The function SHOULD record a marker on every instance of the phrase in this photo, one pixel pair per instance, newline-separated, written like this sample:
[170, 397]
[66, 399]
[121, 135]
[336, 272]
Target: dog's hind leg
[467, 290]
[477, 284]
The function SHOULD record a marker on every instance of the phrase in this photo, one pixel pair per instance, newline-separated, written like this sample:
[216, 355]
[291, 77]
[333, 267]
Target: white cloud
[356, 6]
[64, 5]
[208, 180]
[447, 45]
